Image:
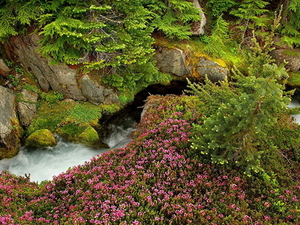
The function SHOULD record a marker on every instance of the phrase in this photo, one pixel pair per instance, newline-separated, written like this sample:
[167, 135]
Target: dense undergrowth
[153, 181]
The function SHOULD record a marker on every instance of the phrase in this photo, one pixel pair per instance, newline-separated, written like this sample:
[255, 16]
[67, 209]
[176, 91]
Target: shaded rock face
[9, 140]
[3, 67]
[172, 61]
[27, 107]
[212, 70]
[290, 56]
[59, 78]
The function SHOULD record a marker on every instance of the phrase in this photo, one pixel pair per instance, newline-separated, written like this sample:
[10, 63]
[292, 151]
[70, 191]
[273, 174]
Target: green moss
[89, 135]
[54, 115]
[41, 138]
[294, 79]
[68, 119]
[70, 131]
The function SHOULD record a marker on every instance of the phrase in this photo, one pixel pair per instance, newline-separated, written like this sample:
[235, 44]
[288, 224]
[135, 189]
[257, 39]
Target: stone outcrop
[211, 69]
[290, 56]
[59, 77]
[96, 93]
[27, 106]
[172, 61]
[9, 137]
[198, 26]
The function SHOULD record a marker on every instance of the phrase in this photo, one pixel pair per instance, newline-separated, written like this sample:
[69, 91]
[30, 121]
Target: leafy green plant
[219, 39]
[52, 97]
[216, 8]
[251, 14]
[291, 24]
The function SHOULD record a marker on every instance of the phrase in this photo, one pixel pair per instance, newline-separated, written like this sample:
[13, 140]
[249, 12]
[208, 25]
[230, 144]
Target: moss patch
[54, 115]
[41, 138]
[67, 118]
[294, 79]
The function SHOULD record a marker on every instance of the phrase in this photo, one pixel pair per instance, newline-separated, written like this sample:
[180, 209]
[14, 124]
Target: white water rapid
[43, 164]
[294, 104]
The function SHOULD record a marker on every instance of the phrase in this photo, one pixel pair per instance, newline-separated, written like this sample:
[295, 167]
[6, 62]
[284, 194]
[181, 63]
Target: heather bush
[151, 181]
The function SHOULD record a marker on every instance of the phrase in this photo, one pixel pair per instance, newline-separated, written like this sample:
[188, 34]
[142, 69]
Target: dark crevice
[131, 113]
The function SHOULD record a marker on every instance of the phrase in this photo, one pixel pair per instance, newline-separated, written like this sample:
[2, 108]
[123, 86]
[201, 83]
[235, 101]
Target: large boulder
[59, 77]
[9, 126]
[289, 56]
[211, 69]
[27, 106]
[172, 61]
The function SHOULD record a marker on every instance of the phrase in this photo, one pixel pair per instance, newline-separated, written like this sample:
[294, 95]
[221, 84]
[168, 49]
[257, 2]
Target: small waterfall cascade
[43, 164]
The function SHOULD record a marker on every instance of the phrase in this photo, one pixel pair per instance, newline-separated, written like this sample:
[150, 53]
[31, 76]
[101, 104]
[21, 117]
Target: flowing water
[43, 164]
[294, 104]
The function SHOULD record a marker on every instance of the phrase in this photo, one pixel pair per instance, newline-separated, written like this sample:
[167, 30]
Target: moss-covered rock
[41, 138]
[89, 136]
[294, 79]
[80, 133]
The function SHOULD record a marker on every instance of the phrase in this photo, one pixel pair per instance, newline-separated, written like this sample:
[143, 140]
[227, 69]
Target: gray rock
[9, 140]
[27, 107]
[110, 97]
[172, 61]
[59, 77]
[92, 90]
[3, 67]
[212, 70]
[198, 26]
[290, 56]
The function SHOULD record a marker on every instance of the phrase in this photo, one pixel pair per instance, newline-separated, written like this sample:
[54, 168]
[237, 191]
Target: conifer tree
[218, 39]
[251, 14]
[291, 23]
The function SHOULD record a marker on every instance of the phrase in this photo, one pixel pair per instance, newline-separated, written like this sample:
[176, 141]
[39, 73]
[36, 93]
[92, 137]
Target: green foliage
[217, 7]
[52, 97]
[251, 14]
[291, 23]
[240, 114]
[173, 17]
[219, 38]
[14, 15]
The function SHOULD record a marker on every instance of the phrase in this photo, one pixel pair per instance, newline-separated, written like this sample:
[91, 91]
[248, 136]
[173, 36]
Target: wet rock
[212, 70]
[9, 126]
[27, 107]
[172, 61]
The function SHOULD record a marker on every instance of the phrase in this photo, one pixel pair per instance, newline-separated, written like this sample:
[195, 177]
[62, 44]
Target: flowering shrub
[150, 181]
